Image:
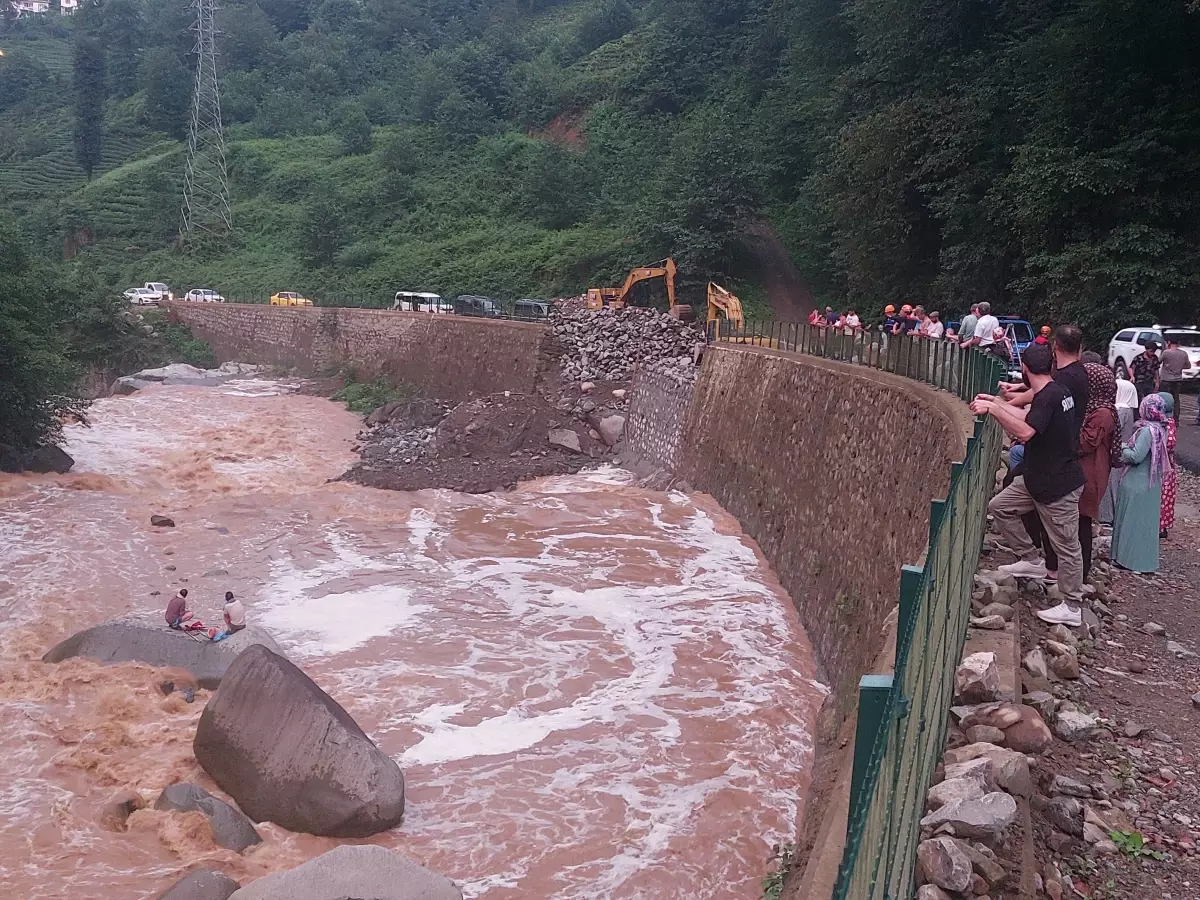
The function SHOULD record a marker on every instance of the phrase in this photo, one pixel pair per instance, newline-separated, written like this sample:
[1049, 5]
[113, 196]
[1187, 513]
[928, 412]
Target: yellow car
[289, 298]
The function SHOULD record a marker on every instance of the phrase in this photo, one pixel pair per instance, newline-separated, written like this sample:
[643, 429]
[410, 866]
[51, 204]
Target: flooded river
[594, 690]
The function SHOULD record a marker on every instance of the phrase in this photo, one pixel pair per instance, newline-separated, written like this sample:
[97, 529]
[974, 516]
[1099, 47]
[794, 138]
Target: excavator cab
[598, 298]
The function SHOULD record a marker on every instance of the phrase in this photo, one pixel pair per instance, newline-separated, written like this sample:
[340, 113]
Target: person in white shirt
[235, 618]
[934, 329]
[984, 328]
[852, 320]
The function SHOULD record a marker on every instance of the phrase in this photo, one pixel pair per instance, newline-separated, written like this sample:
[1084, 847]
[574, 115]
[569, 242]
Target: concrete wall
[658, 411]
[830, 468]
[448, 357]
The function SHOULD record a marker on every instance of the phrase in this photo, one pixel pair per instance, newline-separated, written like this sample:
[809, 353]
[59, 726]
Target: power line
[206, 173]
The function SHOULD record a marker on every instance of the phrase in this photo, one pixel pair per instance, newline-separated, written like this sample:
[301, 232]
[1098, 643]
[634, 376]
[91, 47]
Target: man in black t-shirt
[1051, 484]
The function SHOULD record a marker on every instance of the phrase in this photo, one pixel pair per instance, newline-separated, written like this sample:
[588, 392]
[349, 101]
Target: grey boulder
[230, 829]
[149, 640]
[201, 884]
[985, 817]
[288, 754]
[361, 871]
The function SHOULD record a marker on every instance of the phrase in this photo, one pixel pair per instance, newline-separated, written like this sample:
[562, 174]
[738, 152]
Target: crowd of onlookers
[1087, 448]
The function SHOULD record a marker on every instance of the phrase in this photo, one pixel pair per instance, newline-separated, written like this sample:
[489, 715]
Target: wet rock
[115, 813]
[1030, 734]
[611, 428]
[978, 678]
[1035, 664]
[565, 438]
[230, 829]
[1009, 768]
[43, 460]
[953, 790]
[214, 573]
[945, 863]
[1072, 726]
[1066, 666]
[147, 639]
[1063, 635]
[986, 817]
[361, 871]
[1003, 610]
[1069, 787]
[989, 623]
[984, 863]
[201, 884]
[985, 734]
[162, 521]
[125, 386]
[1154, 628]
[287, 753]
[1065, 814]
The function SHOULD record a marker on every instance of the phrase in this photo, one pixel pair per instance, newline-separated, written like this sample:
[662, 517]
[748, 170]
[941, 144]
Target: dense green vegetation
[1040, 155]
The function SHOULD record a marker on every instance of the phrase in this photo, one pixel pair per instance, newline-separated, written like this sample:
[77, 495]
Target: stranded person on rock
[179, 614]
[235, 618]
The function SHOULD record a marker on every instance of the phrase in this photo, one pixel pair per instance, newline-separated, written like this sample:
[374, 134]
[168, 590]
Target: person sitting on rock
[235, 618]
[179, 614]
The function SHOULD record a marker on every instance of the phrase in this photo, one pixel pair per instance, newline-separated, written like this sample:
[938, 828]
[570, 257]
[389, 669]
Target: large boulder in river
[361, 871]
[43, 460]
[201, 884]
[230, 828]
[149, 640]
[288, 754]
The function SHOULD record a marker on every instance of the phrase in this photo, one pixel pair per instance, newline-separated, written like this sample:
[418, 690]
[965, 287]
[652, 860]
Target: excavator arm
[724, 305]
[600, 297]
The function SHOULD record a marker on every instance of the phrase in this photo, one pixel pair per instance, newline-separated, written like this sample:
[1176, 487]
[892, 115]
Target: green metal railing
[902, 717]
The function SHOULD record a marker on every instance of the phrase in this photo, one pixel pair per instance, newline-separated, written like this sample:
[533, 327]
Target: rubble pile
[609, 344]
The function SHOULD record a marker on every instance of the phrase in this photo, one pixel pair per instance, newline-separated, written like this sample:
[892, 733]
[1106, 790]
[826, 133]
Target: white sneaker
[1024, 568]
[1061, 615]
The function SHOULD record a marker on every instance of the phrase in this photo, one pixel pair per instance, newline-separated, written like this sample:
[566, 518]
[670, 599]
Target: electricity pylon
[206, 174]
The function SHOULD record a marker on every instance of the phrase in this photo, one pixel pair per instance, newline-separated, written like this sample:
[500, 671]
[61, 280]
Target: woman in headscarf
[1127, 406]
[1171, 481]
[1139, 497]
[1099, 441]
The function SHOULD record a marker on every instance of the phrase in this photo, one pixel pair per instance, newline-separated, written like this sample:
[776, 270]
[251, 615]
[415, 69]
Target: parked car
[142, 296]
[422, 301]
[471, 305]
[1131, 342]
[533, 310]
[203, 295]
[161, 290]
[289, 298]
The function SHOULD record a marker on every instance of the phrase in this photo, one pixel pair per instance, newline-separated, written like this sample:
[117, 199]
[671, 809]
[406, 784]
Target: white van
[421, 301]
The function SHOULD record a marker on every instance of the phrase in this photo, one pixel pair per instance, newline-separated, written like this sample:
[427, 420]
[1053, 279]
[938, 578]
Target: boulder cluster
[610, 344]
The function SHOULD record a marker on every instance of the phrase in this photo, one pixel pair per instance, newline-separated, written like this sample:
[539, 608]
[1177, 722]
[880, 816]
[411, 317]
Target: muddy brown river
[594, 690]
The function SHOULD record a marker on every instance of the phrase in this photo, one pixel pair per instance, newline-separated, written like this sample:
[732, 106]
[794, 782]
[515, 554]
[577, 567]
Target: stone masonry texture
[446, 357]
[830, 468]
[658, 411]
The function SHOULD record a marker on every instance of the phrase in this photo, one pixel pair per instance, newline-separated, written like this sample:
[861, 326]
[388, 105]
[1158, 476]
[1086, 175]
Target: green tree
[122, 33]
[37, 380]
[354, 130]
[89, 94]
[167, 92]
[322, 228]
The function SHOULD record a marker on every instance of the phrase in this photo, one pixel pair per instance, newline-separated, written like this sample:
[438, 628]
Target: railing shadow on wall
[902, 717]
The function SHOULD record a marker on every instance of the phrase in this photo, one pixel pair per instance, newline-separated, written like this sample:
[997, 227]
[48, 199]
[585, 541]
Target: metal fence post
[873, 692]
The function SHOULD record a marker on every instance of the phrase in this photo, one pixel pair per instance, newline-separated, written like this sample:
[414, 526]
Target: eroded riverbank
[594, 690]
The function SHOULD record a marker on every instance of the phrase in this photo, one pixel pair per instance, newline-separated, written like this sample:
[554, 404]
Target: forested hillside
[1041, 155]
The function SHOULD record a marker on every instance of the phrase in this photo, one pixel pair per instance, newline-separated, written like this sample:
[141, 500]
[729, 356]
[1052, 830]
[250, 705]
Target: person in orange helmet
[1043, 336]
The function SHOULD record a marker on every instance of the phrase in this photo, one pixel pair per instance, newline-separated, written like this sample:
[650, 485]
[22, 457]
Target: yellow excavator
[598, 298]
[723, 306]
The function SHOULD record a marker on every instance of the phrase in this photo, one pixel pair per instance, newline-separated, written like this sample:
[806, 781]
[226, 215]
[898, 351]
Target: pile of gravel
[610, 344]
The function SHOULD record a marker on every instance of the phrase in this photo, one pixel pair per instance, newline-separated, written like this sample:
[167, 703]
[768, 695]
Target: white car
[142, 296]
[203, 295]
[1128, 344]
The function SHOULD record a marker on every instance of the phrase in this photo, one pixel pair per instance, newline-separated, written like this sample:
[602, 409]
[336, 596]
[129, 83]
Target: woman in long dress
[1127, 405]
[1171, 481]
[1139, 496]
[1099, 441]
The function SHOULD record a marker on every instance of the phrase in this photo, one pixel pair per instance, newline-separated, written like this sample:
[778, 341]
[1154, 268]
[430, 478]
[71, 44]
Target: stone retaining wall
[447, 357]
[658, 410]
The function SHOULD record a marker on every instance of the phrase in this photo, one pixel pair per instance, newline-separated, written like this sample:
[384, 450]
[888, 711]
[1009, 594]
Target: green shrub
[364, 397]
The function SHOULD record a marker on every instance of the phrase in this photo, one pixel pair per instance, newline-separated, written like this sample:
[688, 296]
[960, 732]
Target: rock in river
[201, 884]
[230, 829]
[360, 871]
[148, 639]
[288, 754]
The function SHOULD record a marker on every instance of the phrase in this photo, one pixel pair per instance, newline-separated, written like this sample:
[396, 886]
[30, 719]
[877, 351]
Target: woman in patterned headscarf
[1171, 480]
[1139, 498]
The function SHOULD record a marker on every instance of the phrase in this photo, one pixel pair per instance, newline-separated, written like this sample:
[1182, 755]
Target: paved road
[1187, 440]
